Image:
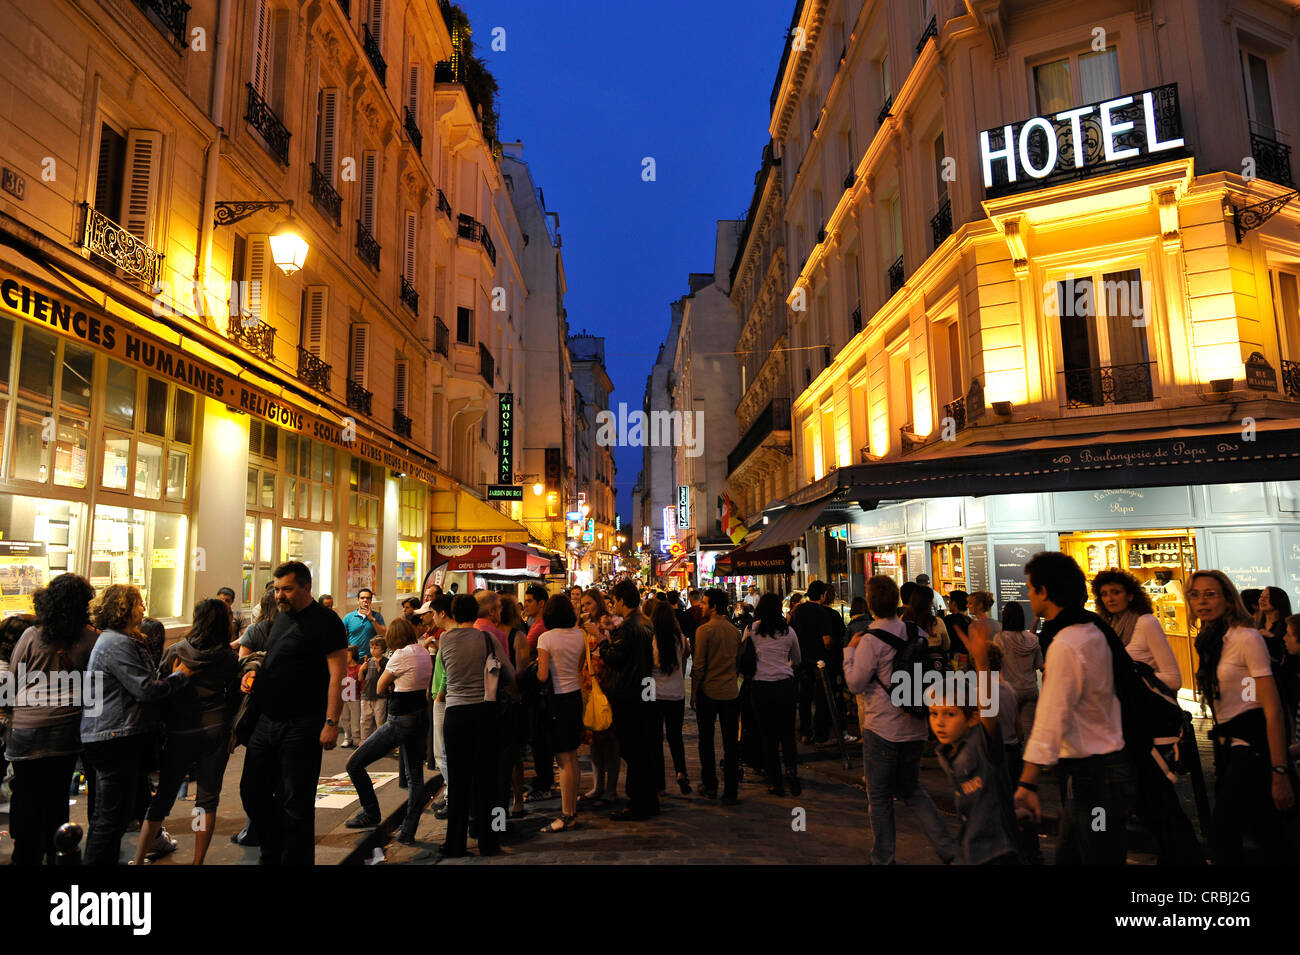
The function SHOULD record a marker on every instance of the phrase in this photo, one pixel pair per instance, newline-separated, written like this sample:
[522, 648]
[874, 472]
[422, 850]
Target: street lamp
[288, 247]
[538, 488]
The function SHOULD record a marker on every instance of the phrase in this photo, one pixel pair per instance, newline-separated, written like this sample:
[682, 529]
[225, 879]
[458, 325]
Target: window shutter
[262, 49]
[313, 321]
[281, 29]
[413, 90]
[408, 260]
[369, 174]
[329, 100]
[358, 355]
[257, 298]
[143, 151]
[377, 21]
[401, 378]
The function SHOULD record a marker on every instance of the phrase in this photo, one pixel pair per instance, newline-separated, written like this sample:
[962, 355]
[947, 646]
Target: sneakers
[163, 845]
[406, 840]
[362, 820]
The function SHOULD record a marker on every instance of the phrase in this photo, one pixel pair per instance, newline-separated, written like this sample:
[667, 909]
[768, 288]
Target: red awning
[513, 560]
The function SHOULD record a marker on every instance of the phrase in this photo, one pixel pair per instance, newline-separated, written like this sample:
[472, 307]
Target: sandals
[566, 823]
[537, 795]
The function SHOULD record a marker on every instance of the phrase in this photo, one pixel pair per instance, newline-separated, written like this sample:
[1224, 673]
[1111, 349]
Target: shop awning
[459, 519]
[492, 560]
[789, 526]
[753, 559]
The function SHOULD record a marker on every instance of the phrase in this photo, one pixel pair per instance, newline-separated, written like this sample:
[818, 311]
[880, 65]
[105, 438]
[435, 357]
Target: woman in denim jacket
[118, 732]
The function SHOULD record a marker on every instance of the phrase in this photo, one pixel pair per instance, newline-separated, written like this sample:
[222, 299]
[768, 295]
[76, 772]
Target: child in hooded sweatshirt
[1022, 661]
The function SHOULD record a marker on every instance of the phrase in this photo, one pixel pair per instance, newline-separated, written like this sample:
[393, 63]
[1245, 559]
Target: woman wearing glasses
[1235, 679]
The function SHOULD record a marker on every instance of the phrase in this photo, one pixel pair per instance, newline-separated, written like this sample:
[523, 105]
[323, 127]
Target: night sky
[593, 88]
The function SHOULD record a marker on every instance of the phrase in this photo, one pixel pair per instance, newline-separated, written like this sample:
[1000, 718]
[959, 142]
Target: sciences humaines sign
[1137, 129]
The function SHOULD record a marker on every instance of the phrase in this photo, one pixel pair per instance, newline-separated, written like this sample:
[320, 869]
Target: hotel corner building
[1040, 271]
[167, 428]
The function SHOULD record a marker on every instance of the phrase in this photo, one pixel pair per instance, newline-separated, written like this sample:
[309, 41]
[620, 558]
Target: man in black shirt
[298, 696]
[812, 626]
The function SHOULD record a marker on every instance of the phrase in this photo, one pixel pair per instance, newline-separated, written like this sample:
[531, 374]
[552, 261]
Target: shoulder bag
[596, 712]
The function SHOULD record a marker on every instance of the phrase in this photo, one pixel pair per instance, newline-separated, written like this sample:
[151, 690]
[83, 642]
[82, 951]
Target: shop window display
[145, 549]
[38, 540]
[150, 456]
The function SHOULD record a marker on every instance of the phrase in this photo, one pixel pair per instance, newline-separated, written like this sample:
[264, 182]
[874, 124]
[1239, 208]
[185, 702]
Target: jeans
[440, 746]
[39, 806]
[1159, 809]
[774, 705]
[1243, 801]
[350, 722]
[281, 772]
[374, 713]
[1097, 793]
[669, 715]
[894, 770]
[118, 766]
[408, 731]
[473, 737]
[727, 713]
[634, 721]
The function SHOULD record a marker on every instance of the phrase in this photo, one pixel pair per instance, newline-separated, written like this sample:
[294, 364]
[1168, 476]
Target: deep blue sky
[591, 88]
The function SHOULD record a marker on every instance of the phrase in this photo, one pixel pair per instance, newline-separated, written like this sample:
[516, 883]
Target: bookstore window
[52, 403]
[365, 493]
[411, 533]
[145, 549]
[259, 513]
[148, 435]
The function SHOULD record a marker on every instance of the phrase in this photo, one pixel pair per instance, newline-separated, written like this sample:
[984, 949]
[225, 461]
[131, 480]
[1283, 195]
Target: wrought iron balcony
[487, 365]
[775, 417]
[941, 222]
[896, 275]
[358, 398]
[956, 410]
[367, 247]
[413, 130]
[488, 246]
[410, 297]
[119, 248]
[171, 16]
[443, 205]
[908, 438]
[467, 227]
[856, 319]
[1291, 379]
[263, 119]
[826, 356]
[850, 179]
[347, 7]
[376, 58]
[327, 200]
[1272, 160]
[1108, 385]
[931, 30]
[441, 338]
[401, 424]
[312, 371]
[884, 111]
[254, 334]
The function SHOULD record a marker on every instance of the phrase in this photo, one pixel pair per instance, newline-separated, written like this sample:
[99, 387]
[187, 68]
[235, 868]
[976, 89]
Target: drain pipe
[207, 213]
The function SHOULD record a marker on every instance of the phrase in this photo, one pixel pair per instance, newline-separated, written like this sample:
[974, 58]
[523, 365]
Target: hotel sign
[506, 451]
[505, 492]
[1132, 130]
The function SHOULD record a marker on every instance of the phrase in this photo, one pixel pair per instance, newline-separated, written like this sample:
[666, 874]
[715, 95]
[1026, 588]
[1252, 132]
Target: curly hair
[211, 627]
[114, 608]
[10, 630]
[63, 609]
[1138, 601]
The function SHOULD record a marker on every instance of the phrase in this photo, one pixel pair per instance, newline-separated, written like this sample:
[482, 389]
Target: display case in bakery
[948, 566]
[887, 559]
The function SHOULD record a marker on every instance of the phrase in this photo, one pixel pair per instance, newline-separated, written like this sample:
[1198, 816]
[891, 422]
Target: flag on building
[733, 525]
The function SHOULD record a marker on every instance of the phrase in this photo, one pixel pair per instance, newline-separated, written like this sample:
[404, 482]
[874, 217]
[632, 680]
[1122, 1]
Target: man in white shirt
[752, 600]
[894, 738]
[1077, 726]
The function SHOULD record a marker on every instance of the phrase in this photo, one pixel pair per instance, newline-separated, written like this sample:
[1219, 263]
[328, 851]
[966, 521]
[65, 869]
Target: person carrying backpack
[894, 735]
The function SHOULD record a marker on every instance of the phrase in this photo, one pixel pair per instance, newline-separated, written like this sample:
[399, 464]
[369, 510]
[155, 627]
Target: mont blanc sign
[1137, 129]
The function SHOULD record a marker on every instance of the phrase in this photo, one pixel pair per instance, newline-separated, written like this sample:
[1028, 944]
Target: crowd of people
[484, 686]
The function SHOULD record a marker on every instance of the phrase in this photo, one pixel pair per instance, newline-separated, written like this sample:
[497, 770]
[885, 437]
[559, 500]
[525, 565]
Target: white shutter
[329, 101]
[413, 90]
[369, 175]
[401, 379]
[262, 49]
[408, 259]
[258, 277]
[140, 195]
[358, 355]
[281, 31]
[314, 318]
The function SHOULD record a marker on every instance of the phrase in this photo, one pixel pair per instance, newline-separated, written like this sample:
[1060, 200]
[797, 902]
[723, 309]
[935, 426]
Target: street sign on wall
[683, 507]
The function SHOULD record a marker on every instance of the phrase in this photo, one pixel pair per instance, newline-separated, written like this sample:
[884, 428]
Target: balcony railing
[884, 111]
[263, 119]
[896, 275]
[1291, 379]
[443, 205]
[410, 297]
[850, 179]
[941, 222]
[347, 7]
[441, 338]
[413, 130]
[1272, 160]
[931, 30]
[488, 246]
[956, 410]
[401, 424]
[312, 371]
[171, 16]
[327, 199]
[908, 438]
[1108, 385]
[255, 335]
[358, 398]
[467, 227]
[775, 417]
[856, 318]
[487, 365]
[119, 248]
[367, 247]
[826, 356]
[376, 58]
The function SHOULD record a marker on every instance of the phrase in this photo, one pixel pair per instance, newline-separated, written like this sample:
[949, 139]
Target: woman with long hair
[197, 725]
[119, 737]
[256, 634]
[45, 731]
[408, 674]
[561, 653]
[597, 624]
[919, 609]
[1274, 608]
[669, 674]
[777, 649]
[1235, 679]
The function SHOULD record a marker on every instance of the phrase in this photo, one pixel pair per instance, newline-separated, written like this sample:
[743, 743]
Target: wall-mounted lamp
[288, 247]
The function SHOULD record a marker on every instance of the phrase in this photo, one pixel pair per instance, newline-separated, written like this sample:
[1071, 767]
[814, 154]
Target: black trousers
[278, 787]
[634, 722]
[1098, 792]
[1243, 801]
[539, 737]
[727, 713]
[751, 727]
[774, 705]
[812, 690]
[668, 722]
[472, 732]
[1161, 813]
[118, 766]
[39, 806]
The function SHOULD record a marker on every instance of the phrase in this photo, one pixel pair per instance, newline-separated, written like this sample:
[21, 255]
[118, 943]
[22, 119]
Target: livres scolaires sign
[72, 319]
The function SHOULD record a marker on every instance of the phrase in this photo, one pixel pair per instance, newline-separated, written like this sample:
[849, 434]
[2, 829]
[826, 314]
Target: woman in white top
[670, 694]
[408, 673]
[1235, 679]
[561, 653]
[776, 651]
[1123, 604]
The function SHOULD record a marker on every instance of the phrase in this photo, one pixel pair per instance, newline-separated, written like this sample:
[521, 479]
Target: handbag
[596, 712]
[491, 672]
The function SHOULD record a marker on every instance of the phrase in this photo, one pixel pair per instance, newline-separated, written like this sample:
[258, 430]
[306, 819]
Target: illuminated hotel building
[1060, 302]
